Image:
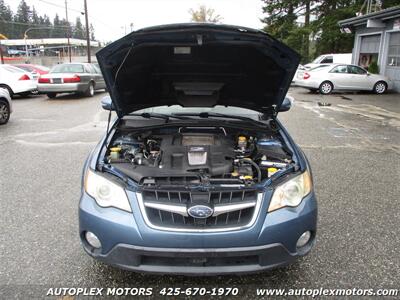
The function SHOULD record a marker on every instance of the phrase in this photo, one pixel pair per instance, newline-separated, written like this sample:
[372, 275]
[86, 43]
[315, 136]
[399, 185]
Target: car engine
[212, 155]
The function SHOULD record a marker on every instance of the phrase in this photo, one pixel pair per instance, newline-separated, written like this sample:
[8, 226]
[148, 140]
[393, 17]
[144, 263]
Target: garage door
[370, 43]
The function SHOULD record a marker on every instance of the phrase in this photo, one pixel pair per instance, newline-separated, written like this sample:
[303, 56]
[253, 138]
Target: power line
[31, 24]
[62, 6]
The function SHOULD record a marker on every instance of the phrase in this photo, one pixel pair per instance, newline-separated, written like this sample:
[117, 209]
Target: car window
[327, 60]
[339, 69]
[96, 68]
[89, 69]
[26, 68]
[356, 70]
[68, 68]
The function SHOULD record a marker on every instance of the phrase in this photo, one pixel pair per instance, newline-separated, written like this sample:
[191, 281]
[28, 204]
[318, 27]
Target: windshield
[68, 68]
[317, 60]
[12, 69]
[177, 109]
[320, 67]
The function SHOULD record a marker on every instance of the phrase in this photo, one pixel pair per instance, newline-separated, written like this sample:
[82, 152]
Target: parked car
[82, 78]
[328, 78]
[38, 69]
[16, 80]
[333, 58]
[5, 106]
[35, 70]
[197, 175]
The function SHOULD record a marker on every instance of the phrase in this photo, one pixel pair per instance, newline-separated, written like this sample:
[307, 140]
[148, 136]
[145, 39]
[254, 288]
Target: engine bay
[193, 155]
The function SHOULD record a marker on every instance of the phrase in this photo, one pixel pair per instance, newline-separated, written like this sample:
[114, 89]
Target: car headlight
[105, 192]
[291, 192]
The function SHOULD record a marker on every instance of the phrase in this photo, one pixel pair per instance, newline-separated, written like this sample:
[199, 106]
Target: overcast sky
[110, 17]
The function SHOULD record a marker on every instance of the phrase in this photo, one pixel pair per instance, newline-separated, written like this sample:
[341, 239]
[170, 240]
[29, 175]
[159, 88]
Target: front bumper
[127, 241]
[207, 261]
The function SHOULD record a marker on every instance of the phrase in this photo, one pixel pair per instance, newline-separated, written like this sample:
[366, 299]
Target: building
[377, 38]
[47, 51]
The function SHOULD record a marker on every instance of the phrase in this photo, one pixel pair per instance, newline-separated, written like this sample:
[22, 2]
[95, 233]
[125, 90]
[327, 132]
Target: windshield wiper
[219, 115]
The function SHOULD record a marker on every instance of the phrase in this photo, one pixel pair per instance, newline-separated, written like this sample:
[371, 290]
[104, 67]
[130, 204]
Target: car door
[339, 76]
[359, 78]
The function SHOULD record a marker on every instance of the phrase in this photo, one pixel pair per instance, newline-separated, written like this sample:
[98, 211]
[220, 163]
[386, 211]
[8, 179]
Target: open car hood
[197, 64]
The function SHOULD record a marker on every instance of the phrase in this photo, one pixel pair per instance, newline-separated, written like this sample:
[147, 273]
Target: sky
[111, 18]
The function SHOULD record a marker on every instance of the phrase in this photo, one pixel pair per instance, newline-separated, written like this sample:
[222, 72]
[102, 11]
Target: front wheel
[4, 112]
[326, 88]
[380, 87]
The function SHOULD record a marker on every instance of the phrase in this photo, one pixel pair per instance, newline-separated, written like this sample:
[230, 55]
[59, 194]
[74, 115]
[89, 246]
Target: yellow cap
[248, 177]
[242, 138]
[272, 169]
[115, 149]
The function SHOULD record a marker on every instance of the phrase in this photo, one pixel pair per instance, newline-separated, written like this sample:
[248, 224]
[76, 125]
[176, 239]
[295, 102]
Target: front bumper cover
[207, 261]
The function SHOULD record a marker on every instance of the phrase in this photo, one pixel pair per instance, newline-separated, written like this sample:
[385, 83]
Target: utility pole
[1, 54]
[68, 31]
[87, 32]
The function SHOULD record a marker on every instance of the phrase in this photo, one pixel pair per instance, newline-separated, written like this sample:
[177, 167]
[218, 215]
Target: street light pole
[68, 31]
[87, 32]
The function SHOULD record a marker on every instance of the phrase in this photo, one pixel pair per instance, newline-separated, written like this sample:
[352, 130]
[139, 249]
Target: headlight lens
[291, 192]
[105, 192]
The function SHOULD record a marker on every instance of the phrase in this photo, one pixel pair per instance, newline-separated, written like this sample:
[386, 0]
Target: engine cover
[193, 152]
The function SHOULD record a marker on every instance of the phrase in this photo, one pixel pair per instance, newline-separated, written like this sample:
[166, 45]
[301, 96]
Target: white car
[5, 106]
[333, 58]
[327, 78]
[16, 80]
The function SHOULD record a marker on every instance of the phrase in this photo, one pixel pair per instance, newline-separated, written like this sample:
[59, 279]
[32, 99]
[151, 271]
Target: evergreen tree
[23, 17]
[91, 31]
[78, 32]
[6, 15]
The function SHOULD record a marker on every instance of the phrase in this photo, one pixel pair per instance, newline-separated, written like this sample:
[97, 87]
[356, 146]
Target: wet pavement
[353, 147]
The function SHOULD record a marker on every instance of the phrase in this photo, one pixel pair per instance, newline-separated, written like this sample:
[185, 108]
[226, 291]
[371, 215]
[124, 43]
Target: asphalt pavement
[353, 146]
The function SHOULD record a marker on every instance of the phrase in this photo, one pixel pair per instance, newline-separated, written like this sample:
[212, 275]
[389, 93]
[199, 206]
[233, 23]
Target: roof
[49, 41]
[389, 13]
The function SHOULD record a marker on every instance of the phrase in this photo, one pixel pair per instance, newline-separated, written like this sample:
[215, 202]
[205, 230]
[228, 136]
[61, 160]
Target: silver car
[330, 77]
[82, 78]
[5, 106]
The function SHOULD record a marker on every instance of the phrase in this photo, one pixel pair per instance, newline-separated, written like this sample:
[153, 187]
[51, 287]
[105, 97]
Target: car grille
[157, 208]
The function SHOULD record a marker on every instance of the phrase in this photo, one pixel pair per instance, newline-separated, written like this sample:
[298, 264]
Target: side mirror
[368, 73]
[286, 104]
[106, 103]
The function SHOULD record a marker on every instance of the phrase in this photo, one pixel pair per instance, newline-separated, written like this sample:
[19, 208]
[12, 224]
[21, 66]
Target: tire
[10, 91]
[90, 90]
[326, 88]
[51, 95]
[380, 87]
[4, 112]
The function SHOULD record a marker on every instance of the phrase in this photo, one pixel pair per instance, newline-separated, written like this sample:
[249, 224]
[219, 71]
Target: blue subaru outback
[196, 175]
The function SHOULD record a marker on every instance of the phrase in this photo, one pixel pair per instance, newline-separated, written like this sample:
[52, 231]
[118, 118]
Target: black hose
[250, 161]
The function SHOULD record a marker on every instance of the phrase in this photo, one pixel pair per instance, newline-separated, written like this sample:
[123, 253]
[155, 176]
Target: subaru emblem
[200, 211]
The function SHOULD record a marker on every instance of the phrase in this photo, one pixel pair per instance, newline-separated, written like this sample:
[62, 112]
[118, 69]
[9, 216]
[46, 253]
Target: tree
[91, 30]
[23, 16]
[78, 31]
[296, 22]
[6, 16]
[58, 31]
[204, 14]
